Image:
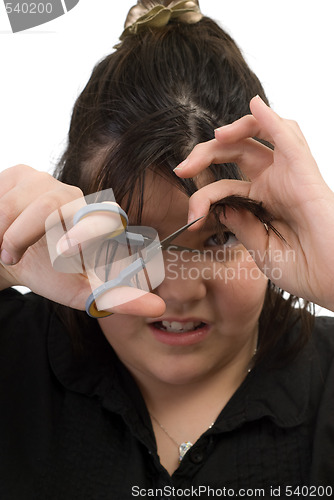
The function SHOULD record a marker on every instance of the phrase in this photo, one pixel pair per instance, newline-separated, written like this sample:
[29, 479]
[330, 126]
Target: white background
[288, 43]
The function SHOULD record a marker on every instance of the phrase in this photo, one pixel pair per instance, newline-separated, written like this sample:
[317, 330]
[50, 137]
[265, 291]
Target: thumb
[130, 300]
[248, 230]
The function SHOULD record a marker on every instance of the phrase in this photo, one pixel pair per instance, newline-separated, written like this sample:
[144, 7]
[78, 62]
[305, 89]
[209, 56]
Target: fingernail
[181, 165]
[191, 216]
[260, 99]
[6, 258]
[67, 246]
[223, 127]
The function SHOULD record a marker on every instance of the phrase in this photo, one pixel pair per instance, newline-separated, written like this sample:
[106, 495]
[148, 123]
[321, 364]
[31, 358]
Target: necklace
[186, 445]
[251, 363]
[183, 447]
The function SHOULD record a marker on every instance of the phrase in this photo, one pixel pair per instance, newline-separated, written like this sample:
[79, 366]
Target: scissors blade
[164, 243]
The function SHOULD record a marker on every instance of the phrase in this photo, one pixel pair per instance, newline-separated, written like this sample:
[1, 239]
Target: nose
[184, 282]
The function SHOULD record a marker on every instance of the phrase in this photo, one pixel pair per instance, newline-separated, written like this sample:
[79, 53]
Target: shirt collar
[279, 394]
[96, 371]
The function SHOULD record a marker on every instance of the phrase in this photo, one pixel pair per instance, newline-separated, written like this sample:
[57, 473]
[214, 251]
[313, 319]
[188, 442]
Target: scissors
[137, 241]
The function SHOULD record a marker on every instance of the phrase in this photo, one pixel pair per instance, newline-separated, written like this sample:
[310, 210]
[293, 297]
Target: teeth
[176, 326]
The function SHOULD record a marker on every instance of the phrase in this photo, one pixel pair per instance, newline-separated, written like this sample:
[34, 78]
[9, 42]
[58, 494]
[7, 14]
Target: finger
[11, 205]
[36, 273]
[286, 134]
[132, 301]
[269, 252]
[29, 226]
[15, 201]
[265, 124]
[11, 176]
[200, 202]
[70, 290]
[250, 155]
[244, 128]
[93, 228]
[249, 231]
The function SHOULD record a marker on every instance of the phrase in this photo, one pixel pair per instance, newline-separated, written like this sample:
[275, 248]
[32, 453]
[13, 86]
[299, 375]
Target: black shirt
[75, 426]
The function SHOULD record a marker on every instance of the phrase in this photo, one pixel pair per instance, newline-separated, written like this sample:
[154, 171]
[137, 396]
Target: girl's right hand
[27, 198]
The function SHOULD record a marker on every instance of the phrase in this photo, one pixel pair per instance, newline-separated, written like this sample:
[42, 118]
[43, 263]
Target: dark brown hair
[147, 105]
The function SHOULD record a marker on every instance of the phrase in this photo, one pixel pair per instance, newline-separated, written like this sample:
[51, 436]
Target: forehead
[165, 205]
[163, 202]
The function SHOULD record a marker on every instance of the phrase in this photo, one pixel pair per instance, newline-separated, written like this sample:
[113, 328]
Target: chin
[179, 372]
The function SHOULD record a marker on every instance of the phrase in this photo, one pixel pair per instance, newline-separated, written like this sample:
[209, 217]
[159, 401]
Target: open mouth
[178, 327]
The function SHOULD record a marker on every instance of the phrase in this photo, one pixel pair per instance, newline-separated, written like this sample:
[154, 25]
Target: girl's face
[213, 301]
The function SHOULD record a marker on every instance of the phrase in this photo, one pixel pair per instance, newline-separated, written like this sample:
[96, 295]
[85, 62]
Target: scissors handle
[123, 279]
[103, 208]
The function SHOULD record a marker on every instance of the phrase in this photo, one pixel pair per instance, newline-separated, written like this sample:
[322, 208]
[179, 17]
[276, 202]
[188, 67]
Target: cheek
[240, 288]
[120, 329]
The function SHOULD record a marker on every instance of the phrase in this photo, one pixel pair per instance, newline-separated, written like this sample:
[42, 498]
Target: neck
[212, 391]
[173, 406]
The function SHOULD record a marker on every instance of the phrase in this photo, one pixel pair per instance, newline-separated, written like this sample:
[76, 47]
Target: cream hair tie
[148, 14]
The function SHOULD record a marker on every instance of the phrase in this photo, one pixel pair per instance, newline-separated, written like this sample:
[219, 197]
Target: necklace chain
[251, 363]
[183, 447]
[165, 430]
[186, 445]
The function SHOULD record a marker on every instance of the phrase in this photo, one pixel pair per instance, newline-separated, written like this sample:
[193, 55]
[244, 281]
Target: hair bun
[155, 14]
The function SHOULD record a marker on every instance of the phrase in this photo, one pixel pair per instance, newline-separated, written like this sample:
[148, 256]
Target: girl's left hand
[288, 183]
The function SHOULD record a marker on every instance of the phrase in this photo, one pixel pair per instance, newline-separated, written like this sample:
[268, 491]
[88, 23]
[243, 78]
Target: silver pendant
[183, 448]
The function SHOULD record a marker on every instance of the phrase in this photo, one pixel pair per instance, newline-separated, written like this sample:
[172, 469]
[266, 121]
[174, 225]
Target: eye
[226, 239]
